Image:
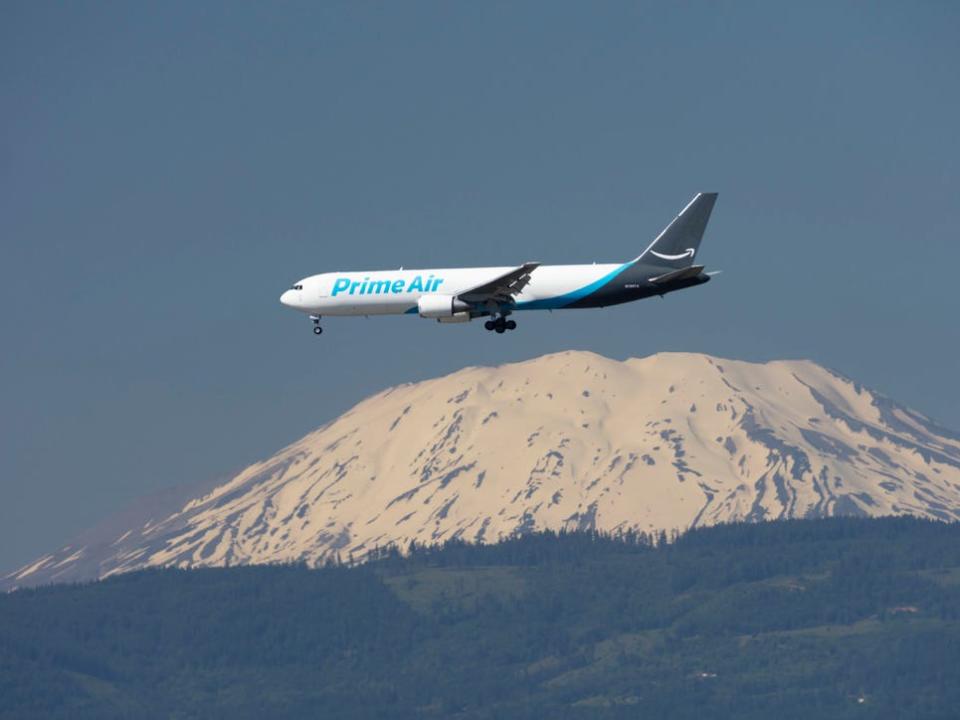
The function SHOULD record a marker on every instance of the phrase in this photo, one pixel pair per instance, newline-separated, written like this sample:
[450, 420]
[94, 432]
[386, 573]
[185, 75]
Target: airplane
[458, 295]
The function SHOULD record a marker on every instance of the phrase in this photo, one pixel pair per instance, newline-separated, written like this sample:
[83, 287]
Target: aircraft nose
[289, 298]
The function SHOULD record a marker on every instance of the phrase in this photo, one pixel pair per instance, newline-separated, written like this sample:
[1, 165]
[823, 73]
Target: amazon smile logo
[688, 253]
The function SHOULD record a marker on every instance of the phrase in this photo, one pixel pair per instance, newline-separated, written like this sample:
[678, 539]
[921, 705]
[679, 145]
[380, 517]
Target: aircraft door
[324, 288]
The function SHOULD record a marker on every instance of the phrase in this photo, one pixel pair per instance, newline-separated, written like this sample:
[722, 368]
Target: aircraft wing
[681, 274]
[502, 289]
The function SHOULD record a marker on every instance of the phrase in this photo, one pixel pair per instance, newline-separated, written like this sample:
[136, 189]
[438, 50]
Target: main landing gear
[500, 325]
[316, 324]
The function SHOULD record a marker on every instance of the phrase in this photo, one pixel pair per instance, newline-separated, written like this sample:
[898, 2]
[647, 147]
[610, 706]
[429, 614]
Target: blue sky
[166, 170]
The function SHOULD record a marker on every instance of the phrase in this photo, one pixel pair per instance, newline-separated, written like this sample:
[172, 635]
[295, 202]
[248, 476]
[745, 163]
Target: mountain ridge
[570, 440]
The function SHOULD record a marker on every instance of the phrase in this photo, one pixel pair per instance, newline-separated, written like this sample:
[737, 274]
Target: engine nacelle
[442, 307]
[455, 318]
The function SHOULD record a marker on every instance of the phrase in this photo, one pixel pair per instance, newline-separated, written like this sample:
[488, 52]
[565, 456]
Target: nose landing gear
[316, 324]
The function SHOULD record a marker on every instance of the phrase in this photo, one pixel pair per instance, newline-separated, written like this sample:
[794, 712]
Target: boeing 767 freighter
[462, 294]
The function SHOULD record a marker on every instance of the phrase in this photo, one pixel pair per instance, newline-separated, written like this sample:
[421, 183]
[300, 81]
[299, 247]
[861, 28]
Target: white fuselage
[395, 292]
[452, 295]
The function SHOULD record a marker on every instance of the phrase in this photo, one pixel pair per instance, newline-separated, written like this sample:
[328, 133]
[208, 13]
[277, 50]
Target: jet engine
[445, 308]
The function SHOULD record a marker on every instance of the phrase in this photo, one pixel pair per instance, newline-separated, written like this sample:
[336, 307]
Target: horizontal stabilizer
[681, 274]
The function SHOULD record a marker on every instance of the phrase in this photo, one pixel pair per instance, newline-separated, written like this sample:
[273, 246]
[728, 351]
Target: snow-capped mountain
[571, 440]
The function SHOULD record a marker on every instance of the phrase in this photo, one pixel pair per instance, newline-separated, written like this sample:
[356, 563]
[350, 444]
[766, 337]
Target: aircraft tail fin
[677, 245]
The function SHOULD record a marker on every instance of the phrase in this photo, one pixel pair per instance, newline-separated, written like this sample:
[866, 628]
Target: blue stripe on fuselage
[561, 301]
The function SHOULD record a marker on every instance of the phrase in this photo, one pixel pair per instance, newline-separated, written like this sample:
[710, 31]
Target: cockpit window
[297, 287]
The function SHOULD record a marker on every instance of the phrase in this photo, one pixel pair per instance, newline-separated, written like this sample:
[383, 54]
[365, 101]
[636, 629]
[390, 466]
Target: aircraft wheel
[500, 329]
[511, 324]
[317, 330]
[489, 324]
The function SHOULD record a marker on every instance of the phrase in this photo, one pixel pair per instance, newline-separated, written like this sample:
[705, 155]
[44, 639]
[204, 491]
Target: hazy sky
[167, 169]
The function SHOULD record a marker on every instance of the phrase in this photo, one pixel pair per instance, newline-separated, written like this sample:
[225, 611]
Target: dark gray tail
[677, 245]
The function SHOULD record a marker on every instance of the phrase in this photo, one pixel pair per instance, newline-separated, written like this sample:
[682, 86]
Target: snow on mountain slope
[571, 440]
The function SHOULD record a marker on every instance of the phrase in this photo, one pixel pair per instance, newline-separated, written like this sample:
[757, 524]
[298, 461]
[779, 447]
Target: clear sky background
[168, 169]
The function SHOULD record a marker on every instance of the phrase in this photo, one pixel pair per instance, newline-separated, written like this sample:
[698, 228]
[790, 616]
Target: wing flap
[501, 289]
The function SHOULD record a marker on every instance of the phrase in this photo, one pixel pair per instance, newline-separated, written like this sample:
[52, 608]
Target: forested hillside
[836, 618]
